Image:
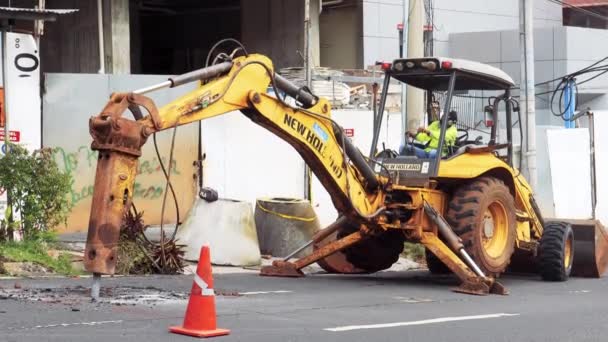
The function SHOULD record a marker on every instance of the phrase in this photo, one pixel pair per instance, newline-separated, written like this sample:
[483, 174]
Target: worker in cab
[426, 140]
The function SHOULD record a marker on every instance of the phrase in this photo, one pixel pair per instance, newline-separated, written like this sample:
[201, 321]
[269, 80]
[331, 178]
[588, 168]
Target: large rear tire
[374, 254]
[482, 214]
[556, 251]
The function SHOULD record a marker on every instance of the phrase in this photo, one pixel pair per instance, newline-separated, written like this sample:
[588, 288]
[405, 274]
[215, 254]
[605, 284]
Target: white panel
[570, 171]
[544, 192]
[389, 49]
[371, 45]
[601, 165]
[389, 17]
[371, 19]
[22, 96]
[361, 122]
[22, 89]
[245, 161]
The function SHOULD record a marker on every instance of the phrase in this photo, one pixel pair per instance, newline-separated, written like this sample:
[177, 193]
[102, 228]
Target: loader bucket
[590, 248]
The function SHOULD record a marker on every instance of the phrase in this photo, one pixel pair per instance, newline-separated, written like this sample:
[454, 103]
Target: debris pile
[347, 89]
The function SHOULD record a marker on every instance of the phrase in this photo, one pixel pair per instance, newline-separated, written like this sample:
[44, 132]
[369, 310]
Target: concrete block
[227, 227]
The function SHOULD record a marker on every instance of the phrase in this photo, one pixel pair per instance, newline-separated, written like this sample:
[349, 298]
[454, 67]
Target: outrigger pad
[478, 289]
[482, 288]
[498, 289]
[281, 268]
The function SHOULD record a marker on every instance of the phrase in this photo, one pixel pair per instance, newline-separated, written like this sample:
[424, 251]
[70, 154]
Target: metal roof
[33, 13]
[471, 75]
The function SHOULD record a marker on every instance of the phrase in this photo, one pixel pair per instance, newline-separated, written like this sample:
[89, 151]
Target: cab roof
[433, 73]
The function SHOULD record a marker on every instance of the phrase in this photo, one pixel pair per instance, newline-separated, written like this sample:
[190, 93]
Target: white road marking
[66, 325]
[426, 321]
[412, 300]
[263, 292]
[580, 291]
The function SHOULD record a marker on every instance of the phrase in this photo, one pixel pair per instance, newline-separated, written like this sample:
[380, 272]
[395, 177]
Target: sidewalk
[152, 233]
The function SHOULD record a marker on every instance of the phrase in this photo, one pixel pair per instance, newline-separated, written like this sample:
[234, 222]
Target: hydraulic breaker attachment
[590, 248]
[474, 281]
[282, 268]
[119, 142]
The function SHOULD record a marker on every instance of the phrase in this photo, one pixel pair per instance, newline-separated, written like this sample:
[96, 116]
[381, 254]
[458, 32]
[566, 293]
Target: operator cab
[445, 78]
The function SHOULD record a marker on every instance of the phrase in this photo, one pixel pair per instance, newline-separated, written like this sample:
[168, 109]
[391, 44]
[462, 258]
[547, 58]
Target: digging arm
[240, 84]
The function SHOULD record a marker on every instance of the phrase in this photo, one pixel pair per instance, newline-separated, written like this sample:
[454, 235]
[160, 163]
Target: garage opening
[174, 36]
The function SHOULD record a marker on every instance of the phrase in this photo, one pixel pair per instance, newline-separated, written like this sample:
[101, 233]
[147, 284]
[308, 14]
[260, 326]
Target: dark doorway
[174, 36]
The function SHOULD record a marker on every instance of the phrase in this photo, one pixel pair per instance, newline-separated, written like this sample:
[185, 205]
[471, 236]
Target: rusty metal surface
[119, 142]
[590, 248]
[482, 287]
[288, 269]
[473, 288]
[112, 193]
[448, 257]
[498, 288]
[471, 283]
[281, 268]
[330, 249]
[334, 263]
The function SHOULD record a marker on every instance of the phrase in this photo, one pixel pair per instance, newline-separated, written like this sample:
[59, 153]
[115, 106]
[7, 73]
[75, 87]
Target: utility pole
[415, 49]
[403, 46]
[308, 78]
[527, 91]
[307, 62]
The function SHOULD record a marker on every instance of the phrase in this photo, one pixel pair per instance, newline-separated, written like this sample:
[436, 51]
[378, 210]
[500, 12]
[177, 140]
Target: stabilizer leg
[281, 268]
[471, 283]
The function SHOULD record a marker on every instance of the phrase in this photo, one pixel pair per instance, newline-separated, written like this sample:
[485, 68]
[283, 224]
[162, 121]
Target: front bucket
[590, 248]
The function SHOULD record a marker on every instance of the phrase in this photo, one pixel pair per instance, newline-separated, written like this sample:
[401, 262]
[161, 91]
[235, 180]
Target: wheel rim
[494, 229]
[568, 252]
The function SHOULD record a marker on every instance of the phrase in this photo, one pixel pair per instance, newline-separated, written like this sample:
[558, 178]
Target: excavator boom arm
[240, 84]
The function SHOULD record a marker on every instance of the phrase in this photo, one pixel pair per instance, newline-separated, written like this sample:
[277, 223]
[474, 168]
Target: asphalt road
[388, 306]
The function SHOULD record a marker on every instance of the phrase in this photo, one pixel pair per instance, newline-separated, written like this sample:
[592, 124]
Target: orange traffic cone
[200, 314]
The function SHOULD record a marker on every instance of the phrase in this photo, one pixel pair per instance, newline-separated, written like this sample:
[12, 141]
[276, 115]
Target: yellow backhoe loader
[469, 207]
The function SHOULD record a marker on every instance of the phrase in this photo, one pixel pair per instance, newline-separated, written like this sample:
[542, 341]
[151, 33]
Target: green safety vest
[432, 139]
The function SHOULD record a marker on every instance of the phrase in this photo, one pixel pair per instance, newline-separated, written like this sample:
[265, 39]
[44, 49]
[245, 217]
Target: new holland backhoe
[470, 208]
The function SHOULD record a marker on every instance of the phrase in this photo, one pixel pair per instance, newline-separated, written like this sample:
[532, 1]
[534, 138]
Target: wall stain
[83, 161]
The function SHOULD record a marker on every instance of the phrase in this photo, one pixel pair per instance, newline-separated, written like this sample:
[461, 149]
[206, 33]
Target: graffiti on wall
[84, 160]
[69, 100]
[81, 163]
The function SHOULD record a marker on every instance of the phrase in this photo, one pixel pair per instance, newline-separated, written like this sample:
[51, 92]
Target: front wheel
[556, 251]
